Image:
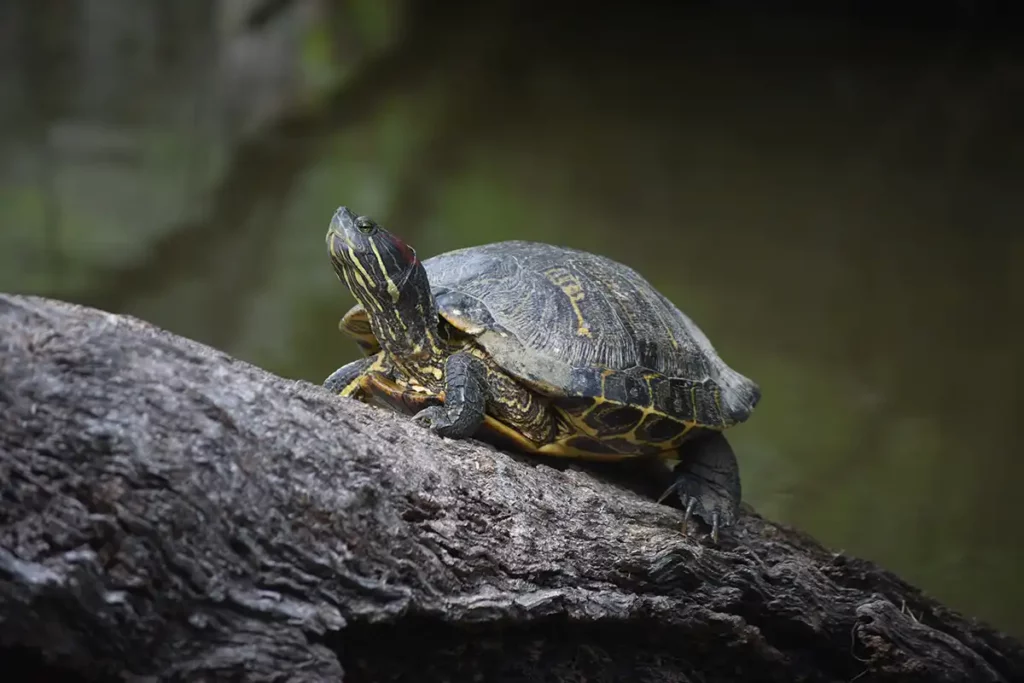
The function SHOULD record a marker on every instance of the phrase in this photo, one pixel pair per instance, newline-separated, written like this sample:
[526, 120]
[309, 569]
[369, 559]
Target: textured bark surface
[168, 511]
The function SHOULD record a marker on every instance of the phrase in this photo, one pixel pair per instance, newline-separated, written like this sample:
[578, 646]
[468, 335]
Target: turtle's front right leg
[465, 399]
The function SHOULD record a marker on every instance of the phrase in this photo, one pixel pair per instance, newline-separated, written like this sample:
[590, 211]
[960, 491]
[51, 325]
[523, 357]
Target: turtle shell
[578, 325]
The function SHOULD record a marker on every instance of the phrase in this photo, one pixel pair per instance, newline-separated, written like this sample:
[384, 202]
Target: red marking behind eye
[407, 253]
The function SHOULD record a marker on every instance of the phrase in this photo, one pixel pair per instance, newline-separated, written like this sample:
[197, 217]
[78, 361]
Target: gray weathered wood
[169, 511]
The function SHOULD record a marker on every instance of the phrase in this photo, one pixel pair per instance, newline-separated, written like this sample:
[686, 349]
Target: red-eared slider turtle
[549, 349]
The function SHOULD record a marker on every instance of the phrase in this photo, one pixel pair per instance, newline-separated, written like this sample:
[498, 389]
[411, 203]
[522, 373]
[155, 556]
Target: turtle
[542, 348]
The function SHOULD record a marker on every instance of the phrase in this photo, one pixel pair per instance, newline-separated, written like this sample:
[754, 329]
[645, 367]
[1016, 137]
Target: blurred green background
[835, 197]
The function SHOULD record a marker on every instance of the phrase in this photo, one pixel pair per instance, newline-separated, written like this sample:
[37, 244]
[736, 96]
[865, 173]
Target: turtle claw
[707, 483]
[430, 417]
[690, 504]
[668, 492]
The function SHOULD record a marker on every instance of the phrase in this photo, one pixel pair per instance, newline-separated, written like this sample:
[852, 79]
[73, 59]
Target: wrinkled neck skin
[404, 319]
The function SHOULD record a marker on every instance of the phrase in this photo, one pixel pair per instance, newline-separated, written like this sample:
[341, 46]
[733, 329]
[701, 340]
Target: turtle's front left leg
[465, 399]
[344, 380]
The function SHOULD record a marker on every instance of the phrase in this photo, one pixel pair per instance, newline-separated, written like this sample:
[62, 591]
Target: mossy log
[171, 513]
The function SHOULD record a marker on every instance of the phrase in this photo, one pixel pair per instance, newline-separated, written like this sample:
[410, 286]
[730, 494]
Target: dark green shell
[576, 325]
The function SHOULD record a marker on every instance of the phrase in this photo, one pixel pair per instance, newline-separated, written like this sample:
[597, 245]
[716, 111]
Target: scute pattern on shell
[573, 309]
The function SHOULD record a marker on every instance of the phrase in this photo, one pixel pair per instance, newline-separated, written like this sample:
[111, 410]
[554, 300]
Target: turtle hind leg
[708, 482]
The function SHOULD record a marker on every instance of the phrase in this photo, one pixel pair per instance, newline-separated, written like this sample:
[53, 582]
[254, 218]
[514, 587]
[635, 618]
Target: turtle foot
[465, 389]
[707, 483]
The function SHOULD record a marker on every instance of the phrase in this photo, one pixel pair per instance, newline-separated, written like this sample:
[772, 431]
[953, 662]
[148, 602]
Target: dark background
[833, 195]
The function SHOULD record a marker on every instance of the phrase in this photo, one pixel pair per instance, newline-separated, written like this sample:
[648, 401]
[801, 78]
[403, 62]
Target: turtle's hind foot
[707, 483]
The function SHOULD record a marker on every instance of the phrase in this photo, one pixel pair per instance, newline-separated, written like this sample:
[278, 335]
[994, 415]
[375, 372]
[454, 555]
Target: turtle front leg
[345, 380]
[708, 482]
[465, 399]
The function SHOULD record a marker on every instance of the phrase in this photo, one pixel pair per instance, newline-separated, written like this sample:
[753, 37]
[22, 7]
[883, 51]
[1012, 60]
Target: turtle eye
[365, 225]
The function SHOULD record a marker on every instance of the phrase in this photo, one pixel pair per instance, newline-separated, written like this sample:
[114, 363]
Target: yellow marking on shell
[573, 290]
[392, 288]
[562, 448]
[668, 332]
[645, 412]
[580, 421]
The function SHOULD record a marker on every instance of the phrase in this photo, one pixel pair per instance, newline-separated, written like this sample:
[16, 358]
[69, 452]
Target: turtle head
[368, 258]
[384, 275]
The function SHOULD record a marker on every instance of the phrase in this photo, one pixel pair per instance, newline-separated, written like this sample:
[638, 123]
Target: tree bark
[171, 513]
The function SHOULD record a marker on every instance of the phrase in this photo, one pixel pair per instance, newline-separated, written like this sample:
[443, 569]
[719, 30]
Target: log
[171, 513]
